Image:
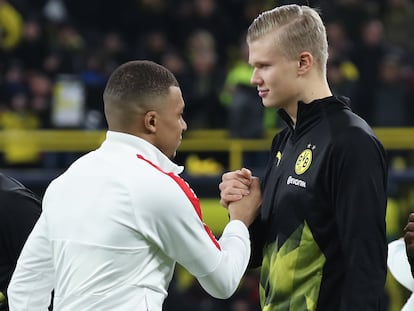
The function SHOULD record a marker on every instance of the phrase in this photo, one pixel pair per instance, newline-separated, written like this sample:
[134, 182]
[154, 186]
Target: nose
[184, 125]
[254, 79]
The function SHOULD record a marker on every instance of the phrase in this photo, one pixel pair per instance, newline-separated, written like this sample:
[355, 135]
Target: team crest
[303, 161]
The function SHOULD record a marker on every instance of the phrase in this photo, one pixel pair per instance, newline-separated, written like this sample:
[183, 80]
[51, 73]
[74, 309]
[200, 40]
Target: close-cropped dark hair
[134, 83]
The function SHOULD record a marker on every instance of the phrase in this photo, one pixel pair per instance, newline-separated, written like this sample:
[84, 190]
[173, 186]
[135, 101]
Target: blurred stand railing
[217, 142]
[193, 141]
[200, 141]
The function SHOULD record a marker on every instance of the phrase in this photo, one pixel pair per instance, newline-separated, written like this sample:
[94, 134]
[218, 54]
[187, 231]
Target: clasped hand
[240, 194]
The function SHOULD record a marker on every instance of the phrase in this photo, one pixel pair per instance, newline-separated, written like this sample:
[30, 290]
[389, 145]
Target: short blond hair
[299, 29]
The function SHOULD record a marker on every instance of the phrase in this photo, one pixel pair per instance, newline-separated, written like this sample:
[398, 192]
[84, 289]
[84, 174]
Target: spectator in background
[14, 80]
[26, 107]
[342, 77]
[114, 51]
[340, 46]
[367, 56]
[208, 15]
[342, 73]
[245, 112]
[69, 47]
[11, 24]
[93, 78]
[16, 114]
[33, 48]
[148, 16]
[40, 86]
[153, 45]
[399, 26]
[174, 61]
[20, 150]
[352, 14]
[391, 96]
[207, 79]
[246, 13]
[19, 210]
[246, 116]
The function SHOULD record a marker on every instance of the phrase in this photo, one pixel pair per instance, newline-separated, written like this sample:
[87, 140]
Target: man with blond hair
[320, 238]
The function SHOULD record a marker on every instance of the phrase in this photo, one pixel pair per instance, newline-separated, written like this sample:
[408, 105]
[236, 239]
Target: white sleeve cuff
[235, 246]
[236, 227]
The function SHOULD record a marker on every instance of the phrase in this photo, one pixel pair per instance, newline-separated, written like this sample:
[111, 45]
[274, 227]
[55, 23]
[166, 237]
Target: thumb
[246, 172]
[255, 183]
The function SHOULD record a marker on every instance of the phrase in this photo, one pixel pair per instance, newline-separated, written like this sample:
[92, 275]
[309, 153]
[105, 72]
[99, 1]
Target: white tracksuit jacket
[112, 228]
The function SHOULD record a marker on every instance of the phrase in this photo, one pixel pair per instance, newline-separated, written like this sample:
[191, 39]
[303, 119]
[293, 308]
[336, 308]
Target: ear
[150, 121]
[305, 63]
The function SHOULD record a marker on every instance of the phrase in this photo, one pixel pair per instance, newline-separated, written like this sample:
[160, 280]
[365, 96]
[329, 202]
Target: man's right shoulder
[13, 191]
[8, 183]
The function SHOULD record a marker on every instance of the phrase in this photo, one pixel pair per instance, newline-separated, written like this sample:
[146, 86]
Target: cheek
[273, 77]
[173, 129]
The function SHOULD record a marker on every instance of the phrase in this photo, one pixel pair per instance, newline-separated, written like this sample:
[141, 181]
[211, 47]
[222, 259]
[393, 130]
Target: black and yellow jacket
[321, 238]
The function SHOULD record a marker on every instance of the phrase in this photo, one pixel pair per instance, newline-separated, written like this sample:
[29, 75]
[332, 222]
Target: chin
[269, 104]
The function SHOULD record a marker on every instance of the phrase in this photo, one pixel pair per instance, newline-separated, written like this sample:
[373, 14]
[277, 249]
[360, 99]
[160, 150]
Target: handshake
[240, 194]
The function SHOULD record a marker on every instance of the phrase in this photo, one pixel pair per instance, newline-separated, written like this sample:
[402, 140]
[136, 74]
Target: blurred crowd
[55, 57]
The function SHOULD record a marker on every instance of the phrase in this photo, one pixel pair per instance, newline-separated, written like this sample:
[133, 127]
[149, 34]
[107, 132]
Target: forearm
[223, 281]
[29, 291]
[32, 281]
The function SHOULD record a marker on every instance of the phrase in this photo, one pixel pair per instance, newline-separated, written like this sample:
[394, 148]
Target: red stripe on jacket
[195, 202]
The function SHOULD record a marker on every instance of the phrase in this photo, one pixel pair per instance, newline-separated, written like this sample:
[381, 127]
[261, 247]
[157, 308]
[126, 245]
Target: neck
[313, 88]
[316, 90]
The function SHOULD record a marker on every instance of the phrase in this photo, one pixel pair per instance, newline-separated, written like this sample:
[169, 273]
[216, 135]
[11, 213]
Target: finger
[228, 193]
[255, 189]
[255, 183]
[233, 175]
[409, 227]
[410, 249]
[234, 186]
[411, 217]
[409, 238]
[246, 172]
[225, 201]
[243, 176]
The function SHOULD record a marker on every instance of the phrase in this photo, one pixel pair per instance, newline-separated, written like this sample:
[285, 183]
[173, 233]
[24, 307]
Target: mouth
[263, 93]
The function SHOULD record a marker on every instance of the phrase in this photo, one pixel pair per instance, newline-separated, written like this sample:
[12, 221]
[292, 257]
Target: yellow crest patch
[303, 161]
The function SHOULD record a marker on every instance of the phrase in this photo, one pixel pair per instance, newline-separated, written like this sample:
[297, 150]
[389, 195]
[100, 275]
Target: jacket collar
[142, 147]
[307, 113]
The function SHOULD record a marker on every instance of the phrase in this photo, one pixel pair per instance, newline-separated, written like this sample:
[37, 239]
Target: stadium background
[55, 57]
